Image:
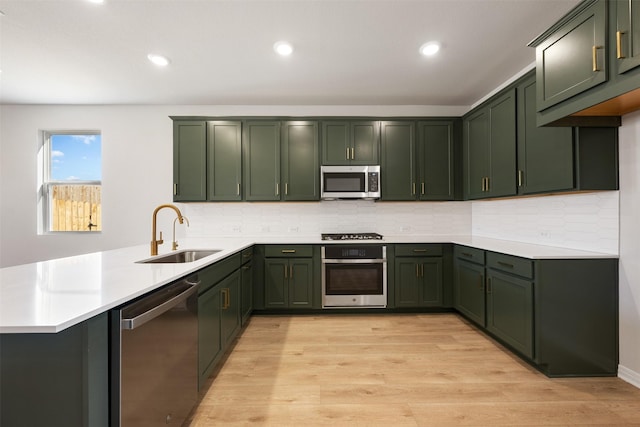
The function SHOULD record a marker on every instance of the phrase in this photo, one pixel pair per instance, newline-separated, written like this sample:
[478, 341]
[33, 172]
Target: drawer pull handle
[619, 53]
[419, 250]
[505, 264]
[288, 251]
[466, 254]
[594, 53]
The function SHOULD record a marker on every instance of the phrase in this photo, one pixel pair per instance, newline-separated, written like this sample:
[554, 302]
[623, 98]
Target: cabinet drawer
[279, 251]
[247, 255]
[419, 250]
[211, 275]
[510, 264]
[469, 254]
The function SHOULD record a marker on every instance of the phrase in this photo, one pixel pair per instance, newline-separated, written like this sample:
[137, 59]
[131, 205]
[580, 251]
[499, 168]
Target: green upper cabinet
[545, 154]
[436, 149]
[573, 58]
[224, 161]
[397, 160]
[189, 161]
[419, 168]
[261, 145]
[300, 161]
[627, 34]
[489, 149]
[350, 143]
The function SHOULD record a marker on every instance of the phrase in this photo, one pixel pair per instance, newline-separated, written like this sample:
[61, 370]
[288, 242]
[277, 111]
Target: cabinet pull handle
[285, 272]
[520, 177]
[594, 54]
[291, 272]
[413, 191]
[417, 271]
[286, 188]
[419, 250]
[347, 153]
[484, 184]
[487, 185]
[422, 188]
[175, 189]
[277, 189]
[421, 270]
[353, 153]
[488, 285]
[238, 190]
[619, 53]
[505, 264]
[466, 254]
[288, 251]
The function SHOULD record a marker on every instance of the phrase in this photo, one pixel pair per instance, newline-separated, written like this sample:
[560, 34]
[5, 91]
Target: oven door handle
[354, 261]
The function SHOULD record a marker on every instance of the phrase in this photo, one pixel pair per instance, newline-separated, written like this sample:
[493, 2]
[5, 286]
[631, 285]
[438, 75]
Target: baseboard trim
[628, 375]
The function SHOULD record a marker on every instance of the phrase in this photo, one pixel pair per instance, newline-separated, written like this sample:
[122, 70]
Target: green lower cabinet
[209, 339]
[288, 283]
[246, 292]
[469, 290]
[510, 310]
[418, 282]
[230, 312]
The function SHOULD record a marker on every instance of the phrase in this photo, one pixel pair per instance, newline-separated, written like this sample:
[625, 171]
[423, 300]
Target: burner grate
[351, 236]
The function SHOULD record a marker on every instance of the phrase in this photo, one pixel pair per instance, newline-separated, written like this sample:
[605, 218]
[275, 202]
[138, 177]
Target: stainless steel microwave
[350, 182]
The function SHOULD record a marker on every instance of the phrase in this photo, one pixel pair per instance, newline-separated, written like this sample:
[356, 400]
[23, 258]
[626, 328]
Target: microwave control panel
[373, 182]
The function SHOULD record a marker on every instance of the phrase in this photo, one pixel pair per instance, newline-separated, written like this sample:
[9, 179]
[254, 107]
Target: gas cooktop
[351, 236]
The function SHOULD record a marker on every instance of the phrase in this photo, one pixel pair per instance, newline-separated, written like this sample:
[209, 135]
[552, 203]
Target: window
[71, 182]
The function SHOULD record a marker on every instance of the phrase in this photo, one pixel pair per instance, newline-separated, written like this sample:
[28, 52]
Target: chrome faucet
[174, 243]
[155, 242]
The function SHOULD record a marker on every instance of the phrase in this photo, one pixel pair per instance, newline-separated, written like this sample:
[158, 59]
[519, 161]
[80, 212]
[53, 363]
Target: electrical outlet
[293, 229]
[237, 229]
[405, 228]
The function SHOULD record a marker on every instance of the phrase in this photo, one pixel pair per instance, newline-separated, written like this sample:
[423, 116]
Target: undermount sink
[180, 257]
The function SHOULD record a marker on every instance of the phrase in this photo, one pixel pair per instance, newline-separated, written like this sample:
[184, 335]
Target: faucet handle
[160, 241]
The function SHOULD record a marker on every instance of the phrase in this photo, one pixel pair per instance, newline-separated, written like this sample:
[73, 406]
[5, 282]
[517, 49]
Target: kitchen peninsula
[59, 308]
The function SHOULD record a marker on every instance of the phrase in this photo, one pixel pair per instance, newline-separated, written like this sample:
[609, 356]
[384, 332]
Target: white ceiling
[347, 52]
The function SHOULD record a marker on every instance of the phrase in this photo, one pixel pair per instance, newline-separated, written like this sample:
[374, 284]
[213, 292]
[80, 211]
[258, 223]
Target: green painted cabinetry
[598, 81]
[224, 161]
[561, 75]
[246, 292]
[189, 161]
[300, 161]
[418, 275]
[469, 283]
[261, 145]
[509, 297]
[288, 276]
[489, 148]
[418, 160]
[350, 142]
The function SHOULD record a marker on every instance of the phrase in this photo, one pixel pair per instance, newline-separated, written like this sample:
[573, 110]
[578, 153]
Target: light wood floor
[396, 370]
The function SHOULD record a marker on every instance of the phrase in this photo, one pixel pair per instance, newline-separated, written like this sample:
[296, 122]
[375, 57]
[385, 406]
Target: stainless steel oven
[354, 275]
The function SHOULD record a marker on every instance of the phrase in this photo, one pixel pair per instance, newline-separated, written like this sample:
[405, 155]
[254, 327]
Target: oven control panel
[354, 252]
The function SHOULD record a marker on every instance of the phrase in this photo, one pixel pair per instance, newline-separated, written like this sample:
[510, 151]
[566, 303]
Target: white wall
[630, 249]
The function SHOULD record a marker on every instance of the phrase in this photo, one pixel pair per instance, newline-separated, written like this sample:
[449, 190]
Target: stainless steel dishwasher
[154, 357]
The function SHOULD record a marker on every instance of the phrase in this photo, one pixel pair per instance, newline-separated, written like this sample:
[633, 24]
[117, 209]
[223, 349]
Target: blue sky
[76, 157]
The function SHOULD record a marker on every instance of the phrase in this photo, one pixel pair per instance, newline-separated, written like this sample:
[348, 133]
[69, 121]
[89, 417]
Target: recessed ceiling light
[283, 48]
[96, 1]
[430, 48]
[159, 60]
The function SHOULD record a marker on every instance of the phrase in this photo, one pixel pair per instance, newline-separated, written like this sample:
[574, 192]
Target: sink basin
[180, 257]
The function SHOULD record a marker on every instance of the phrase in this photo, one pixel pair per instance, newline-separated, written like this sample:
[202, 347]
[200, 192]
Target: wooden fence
[76, 208]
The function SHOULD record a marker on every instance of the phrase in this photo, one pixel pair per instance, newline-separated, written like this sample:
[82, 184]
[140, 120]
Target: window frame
[45, 223]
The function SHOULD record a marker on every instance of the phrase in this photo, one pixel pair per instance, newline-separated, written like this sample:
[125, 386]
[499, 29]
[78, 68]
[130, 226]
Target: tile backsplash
[587, 221]
[314, 218]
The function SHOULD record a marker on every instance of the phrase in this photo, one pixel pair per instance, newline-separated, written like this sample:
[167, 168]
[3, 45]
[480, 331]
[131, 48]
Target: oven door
[354, 283]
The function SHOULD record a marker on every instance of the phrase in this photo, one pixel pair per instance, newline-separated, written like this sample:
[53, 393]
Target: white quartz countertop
[50, 296]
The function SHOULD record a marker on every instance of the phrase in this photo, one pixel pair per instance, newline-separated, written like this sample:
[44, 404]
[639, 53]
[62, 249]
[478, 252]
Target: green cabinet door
[627, 34]
[224, 161]
[476, 154]
[545, 154]
[573, 58]
[397, 161]
[469, 290]
[300, 284]
[510, 310]
[300, 161]
[502, 139]
[365, 143]
[276, 289]
[246, 292]
[209, 338]
[436, 160]
[418, 282]
[230, 311]
[261, 145]
[189, 161]
[350, 143]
